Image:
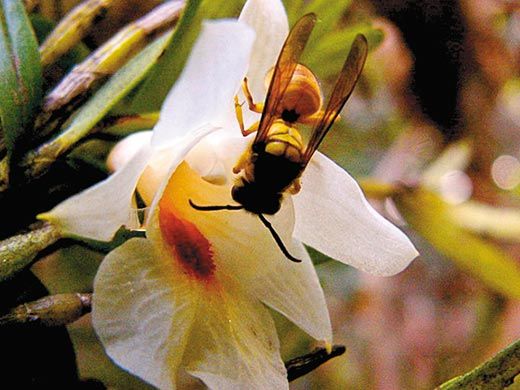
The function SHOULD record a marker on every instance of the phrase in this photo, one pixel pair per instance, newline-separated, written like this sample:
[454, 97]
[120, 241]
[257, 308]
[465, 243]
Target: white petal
[143, 311]
[99, 211]
[126, 149]
[234, 344]
[294, 290]
[333, 216]
[165, 162]
[215, 156]
[205, 90]
[269, 20]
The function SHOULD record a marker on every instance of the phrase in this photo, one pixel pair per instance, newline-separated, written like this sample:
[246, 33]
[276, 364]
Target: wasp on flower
[277, 157]
[191, 296]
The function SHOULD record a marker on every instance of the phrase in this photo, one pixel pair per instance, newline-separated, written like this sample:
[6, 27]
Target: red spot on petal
[187, 243]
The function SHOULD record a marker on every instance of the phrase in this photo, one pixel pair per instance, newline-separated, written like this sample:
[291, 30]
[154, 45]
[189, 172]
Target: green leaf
[20, 73]
[152, 93]
[431, 217]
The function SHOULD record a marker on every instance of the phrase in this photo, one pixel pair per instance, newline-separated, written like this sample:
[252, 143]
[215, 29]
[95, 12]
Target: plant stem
[496, 373]
[72, 29]
[53, 310]
[109, 58]
[17, 252]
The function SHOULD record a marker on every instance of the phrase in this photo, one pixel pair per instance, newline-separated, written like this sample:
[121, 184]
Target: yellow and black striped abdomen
[284, 141]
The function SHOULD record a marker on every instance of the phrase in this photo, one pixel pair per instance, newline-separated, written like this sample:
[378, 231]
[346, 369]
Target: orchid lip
[187, 244]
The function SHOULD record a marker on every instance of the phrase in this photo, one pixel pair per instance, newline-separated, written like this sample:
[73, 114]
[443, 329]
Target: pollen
[188, 245]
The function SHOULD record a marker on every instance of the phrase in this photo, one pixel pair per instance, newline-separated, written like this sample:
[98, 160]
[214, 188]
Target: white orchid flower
[191, 294]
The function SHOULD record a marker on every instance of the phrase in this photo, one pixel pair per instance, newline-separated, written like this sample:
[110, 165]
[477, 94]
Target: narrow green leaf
[21, 73]
[152, 93]
[431, 217]
[96, 108]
